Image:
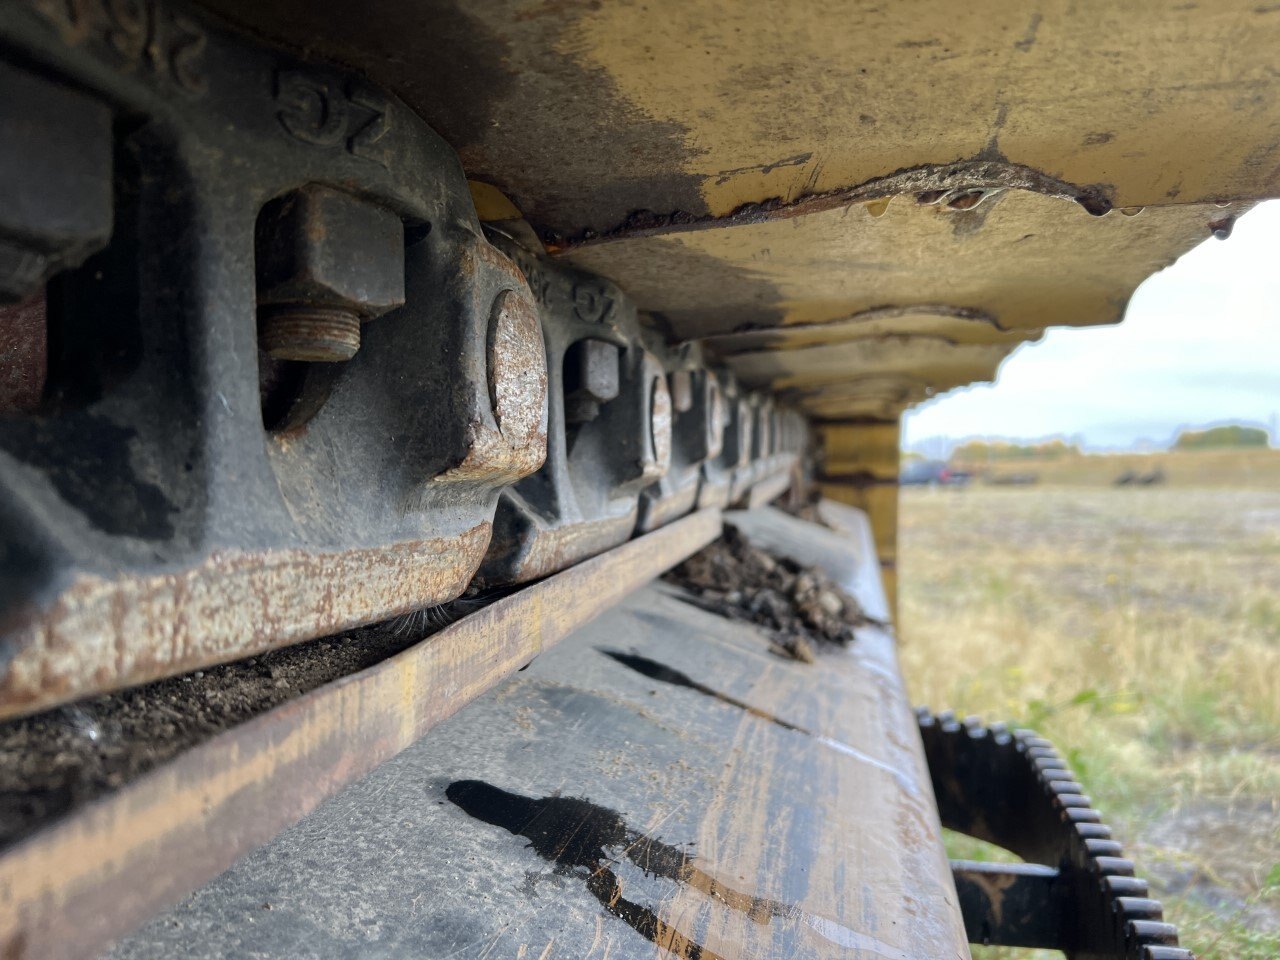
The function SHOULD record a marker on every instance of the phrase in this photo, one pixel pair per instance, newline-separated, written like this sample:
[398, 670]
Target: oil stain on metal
[583, 839]
[586, 840]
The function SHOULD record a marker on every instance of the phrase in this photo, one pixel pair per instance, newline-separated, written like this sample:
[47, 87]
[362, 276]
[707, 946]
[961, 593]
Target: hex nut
[326, 262]
[592, 377]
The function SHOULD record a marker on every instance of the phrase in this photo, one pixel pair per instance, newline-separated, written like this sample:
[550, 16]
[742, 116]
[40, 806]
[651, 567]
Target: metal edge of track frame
[107, 867]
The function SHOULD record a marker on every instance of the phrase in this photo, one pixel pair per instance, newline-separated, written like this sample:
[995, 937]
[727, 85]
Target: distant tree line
[1215, 437]
[984, 451]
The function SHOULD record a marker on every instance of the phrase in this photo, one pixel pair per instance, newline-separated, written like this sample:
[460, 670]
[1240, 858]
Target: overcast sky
[1200, 343]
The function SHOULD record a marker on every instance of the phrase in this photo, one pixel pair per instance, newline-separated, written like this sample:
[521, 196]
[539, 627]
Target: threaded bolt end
[314, 334]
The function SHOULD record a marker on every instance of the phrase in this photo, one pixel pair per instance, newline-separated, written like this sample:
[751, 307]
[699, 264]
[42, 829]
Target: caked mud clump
[806, 507]
[802, 606]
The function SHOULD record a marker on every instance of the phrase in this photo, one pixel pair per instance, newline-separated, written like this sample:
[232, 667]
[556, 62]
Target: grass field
[1139, 628]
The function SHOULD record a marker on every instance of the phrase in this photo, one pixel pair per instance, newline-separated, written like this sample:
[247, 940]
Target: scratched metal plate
[658, 779]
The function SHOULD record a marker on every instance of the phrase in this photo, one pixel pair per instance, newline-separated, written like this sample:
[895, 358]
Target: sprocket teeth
[1122, 886]
[1139, 908]
[1157, 952]
[1131, 920]
[1152, 932]
[1060, 784]
[1113, 866]
[1082, 815]
[1093, 831]
[1103, 848]
[1045, 765]
[1072, 800]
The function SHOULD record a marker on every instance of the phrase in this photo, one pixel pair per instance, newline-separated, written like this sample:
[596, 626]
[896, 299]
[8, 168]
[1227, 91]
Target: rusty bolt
[300, 332]
[660, 428]
[326, 263]
[744, 424]
[711, 410]
[591, 377]
[518, 372]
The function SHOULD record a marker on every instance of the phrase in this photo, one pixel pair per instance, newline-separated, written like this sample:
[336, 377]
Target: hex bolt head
[660, 428]
[326, 263]
[592, 377]
[708, 403]
[518, 372]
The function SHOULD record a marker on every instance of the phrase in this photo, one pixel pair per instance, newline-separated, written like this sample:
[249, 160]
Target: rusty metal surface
[24, 355]
[657, 785]
[103, 634]
[536, 550]
[608, 425]
[107, 867]
[170, 503]
[326, 262]
[631, 420]
[178, 496]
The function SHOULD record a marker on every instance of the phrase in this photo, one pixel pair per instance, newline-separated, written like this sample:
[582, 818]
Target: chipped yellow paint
[1023, 258]
[926, 320]
[1160, 100]
[932, 359]
[914, 292]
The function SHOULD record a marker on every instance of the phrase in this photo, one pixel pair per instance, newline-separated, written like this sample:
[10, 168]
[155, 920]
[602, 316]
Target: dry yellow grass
[1139, 628]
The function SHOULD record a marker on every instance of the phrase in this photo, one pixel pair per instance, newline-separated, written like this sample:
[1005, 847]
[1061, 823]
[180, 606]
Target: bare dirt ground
[1139, 628]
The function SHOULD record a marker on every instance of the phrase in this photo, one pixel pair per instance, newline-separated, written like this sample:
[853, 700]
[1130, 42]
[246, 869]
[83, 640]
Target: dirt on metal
[807, 507]
[52, 762]
[802, 606]
[190, 818]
